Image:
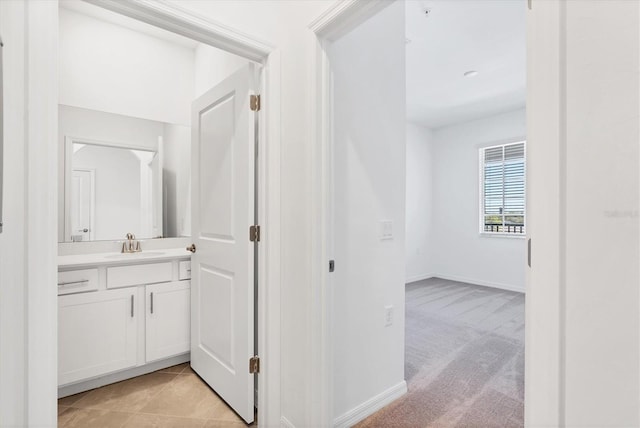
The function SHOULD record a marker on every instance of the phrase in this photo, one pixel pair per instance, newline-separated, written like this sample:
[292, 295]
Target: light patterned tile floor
[174, 397]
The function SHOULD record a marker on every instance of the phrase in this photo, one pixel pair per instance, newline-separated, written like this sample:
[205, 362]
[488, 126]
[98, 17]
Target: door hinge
[254, 233]
[332, 265]
[530, 4]
[254, 102]
[254, 364]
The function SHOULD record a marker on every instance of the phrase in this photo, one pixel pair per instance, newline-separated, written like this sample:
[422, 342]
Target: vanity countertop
[102, 259]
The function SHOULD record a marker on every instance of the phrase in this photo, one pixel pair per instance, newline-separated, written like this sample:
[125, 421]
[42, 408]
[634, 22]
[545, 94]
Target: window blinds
[503, 188]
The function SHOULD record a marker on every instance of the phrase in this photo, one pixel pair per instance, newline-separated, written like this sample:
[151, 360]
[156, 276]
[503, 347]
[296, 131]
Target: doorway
[250, 51]
[381, 228]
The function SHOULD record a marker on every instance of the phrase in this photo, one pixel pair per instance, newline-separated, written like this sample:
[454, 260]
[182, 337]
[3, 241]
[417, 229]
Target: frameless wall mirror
[114, 187]
[111, 190]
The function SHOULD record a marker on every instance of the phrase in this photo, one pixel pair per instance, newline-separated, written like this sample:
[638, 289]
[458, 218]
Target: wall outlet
[386, 229]
[388, 315]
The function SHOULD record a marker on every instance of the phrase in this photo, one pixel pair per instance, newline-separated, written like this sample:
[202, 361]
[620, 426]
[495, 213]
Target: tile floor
[174, 397]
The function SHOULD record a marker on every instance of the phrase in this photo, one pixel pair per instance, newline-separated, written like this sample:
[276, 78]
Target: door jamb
[544, 375]
[336, 21]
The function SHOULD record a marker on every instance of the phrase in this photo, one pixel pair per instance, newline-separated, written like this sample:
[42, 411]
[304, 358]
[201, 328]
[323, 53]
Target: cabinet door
[168, 319]
[97, 334]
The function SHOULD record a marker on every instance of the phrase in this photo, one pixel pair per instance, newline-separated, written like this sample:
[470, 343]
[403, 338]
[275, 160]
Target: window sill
[503, 235]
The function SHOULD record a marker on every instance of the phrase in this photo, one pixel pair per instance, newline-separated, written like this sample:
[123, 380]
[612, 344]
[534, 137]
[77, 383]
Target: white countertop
[101, 259]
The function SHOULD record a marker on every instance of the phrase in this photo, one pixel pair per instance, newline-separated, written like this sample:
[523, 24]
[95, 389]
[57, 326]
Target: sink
[140, 255]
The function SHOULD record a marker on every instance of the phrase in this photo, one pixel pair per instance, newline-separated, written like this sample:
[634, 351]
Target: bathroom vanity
[123, 305]
[121, 315]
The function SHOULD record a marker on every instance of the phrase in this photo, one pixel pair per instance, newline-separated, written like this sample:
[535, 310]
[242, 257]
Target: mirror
[118, 180]
[112, 189]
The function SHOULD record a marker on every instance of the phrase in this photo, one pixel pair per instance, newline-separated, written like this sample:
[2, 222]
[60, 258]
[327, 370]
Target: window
[502, 189]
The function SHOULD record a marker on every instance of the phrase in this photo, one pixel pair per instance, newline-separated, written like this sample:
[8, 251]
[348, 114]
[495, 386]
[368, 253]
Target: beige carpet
[464, 361]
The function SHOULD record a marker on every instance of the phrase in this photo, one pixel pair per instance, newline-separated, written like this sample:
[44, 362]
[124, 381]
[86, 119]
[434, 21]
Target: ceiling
[457, 36]
[105, 15]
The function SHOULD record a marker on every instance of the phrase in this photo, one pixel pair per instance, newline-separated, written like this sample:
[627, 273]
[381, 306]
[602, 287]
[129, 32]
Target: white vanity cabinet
[119, 319]
[97, 333]
[167, 319]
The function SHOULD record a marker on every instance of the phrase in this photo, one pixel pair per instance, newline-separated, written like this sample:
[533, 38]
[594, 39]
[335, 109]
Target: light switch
[386, 229]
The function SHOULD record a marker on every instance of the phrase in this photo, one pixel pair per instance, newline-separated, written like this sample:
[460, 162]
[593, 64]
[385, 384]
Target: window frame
[481, 189]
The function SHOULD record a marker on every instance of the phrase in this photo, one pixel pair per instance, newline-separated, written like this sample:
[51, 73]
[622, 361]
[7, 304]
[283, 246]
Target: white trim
[86, 385]
[179, 20]
[371, 406]
[42, 202]
[70, 139]
[345, 15]
[269, 269]
[340, 18]
[286, 423]
[416, 278]
[505, 235]
[482, 283]
[546, 191]
[41, 307]
[13, 240]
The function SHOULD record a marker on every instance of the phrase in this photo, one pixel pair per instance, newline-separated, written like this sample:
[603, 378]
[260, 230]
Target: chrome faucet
[131, 245]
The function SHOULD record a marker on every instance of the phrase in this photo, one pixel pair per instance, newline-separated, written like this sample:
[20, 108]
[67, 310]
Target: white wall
[419, 237]
[459, 252]
[111, 68]
[601, 223]
[369, 179]
[443, 187]
[213, 65]
[13, 239]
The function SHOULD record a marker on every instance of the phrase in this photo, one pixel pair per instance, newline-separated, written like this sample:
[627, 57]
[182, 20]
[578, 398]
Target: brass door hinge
[254, 102]
[254, 364]
[254, 233]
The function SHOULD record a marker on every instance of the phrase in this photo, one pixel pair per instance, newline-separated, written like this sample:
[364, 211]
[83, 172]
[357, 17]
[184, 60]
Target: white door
[222, 268]
[97, 333]
[167, 319]
[82, 204]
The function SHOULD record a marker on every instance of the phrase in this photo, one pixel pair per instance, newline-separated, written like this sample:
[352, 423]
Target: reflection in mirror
[120, 175]
[113, 189]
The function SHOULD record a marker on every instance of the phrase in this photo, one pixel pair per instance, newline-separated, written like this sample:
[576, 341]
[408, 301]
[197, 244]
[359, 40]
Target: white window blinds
[502, 189]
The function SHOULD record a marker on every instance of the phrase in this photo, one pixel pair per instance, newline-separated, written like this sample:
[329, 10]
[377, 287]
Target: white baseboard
[371, 406]
[508, 287]
[286, 423]
[97, 382]
[416, 278]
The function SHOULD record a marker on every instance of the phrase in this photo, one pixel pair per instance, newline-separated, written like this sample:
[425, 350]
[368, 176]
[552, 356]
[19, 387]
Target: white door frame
[42, 100]
[544, 373]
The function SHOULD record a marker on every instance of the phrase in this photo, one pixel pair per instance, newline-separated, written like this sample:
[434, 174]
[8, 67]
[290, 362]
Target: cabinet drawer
[184, 270]
[126, 276]
[77, 281]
